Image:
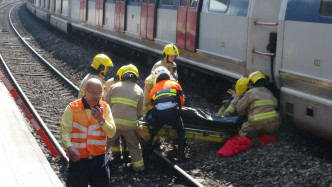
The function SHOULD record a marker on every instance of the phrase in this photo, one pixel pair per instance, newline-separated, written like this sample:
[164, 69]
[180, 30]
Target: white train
[288, 40]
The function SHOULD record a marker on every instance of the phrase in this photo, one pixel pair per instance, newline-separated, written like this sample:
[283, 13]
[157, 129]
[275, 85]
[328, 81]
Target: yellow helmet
[170, 49]
[128, 69]
[242, 85]
[118, 74]
[158, 72]
[255, 76]
[100, 62]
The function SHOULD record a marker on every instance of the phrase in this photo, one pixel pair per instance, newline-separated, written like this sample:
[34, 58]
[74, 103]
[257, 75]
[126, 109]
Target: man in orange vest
[86, 124]
[167, 99]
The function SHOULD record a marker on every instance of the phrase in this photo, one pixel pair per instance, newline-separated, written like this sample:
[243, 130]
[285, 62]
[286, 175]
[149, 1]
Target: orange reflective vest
[167, 90]
[87, 136]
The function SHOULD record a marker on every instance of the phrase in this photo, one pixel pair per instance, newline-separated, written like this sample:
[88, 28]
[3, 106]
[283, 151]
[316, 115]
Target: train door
[52, 5]
[148, 17]
[262, 36]
[120, 13]
[83, 10]
[47, 4]
[99, 12]
[58, 5]
[187, 24]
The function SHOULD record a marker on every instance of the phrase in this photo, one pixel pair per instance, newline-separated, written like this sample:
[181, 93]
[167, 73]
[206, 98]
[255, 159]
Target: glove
[230, 92]
[143, 133]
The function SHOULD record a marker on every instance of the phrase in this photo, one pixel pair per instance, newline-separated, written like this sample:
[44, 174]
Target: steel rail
[178, 170]
[26, 100]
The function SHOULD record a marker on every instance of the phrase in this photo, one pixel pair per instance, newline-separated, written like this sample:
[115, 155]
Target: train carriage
[287, 40]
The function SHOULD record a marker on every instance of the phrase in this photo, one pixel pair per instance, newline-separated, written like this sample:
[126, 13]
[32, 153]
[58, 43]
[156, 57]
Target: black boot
[253, 136]
[146, 150]
[182, 145]
[126, 157]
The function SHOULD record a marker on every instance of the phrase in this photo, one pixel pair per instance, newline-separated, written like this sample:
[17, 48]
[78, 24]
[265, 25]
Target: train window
[193, 3]
[152, 2]
[183, 3]
[326, 8]
[167, 2]
[144, 1]
[134, 1]
[218, 5]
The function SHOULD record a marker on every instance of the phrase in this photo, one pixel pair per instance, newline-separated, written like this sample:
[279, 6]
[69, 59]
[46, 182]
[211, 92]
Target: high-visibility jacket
[87, 136]
[165, 91]
[260, 104]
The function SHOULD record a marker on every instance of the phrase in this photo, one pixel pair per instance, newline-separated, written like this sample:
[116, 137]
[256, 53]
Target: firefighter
[170, 53]
[261, 108]
[126, 101]
[98, 70]
[167, 100]
[121, 148]
[85, 125]
[241, 87]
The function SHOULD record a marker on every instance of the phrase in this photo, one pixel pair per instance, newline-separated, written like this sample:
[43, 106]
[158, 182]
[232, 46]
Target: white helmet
[158, 72]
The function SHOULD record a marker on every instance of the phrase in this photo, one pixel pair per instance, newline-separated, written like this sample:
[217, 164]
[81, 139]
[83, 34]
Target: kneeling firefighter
[261, 107]
[167, 100]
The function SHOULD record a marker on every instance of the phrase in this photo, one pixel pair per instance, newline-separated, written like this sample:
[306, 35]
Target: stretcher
[202, 126]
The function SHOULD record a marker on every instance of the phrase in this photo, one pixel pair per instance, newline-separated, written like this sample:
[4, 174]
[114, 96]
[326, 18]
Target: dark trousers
[159, 119]
[94, 172]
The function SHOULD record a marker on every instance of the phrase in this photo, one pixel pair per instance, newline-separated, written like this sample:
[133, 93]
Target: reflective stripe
[124, 122]
[264, 103]
[124, 101]
[82, 92]
[159, 93]
[94, 132]
[138, 163]
[96, 142]
[94, 127]
[263, 116]
[80, 127]
[230, 109]
[78, 135]
[115, 149]
[79, 145]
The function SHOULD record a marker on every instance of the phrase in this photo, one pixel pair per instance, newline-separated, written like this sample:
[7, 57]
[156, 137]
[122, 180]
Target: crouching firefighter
[167, 100]
[261, 107]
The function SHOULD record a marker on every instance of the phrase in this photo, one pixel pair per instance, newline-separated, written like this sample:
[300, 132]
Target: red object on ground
[237, 144]
[234, 145]
[264, 139]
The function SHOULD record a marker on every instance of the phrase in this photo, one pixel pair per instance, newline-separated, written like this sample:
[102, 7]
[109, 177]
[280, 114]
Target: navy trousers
[94, 172]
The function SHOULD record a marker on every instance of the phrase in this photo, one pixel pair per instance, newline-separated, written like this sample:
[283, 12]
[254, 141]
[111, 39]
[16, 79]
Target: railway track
[43, 88]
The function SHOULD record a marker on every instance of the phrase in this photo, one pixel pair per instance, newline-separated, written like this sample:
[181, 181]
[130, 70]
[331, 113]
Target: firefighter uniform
[83, 132]
[98, 70]
[85, 80]
[171, 67]
[231, 109]
[167, 99]
[260, 105]
[126, 101]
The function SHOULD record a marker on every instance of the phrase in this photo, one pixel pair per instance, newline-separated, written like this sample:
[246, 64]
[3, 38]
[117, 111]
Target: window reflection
[218, 5]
